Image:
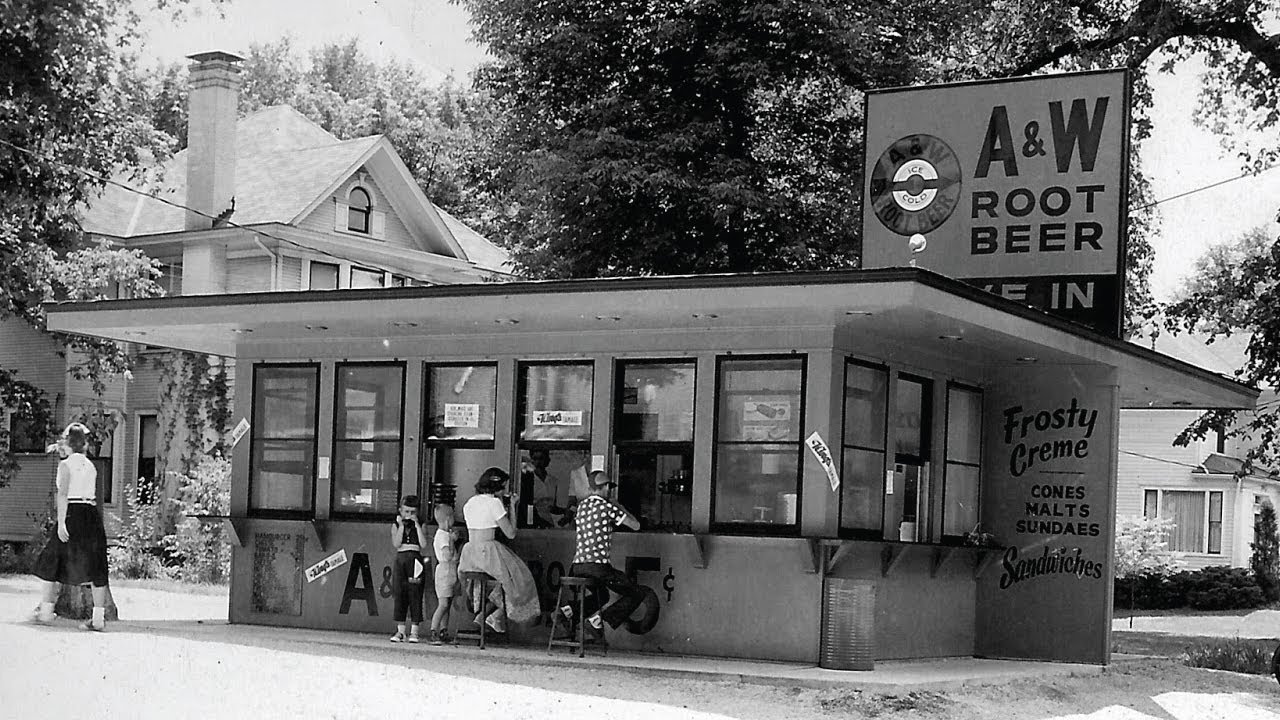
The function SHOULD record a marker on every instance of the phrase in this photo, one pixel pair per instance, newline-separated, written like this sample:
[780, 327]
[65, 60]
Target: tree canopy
[64, 124]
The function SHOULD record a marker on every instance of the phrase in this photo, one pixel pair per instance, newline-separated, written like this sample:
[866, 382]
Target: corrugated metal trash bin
[848, 624]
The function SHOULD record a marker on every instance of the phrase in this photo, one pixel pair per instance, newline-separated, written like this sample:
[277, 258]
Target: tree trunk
[76, 603]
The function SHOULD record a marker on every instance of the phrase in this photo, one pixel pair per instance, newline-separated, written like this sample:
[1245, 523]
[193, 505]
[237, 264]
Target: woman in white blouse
[516, 596]
[77, 554]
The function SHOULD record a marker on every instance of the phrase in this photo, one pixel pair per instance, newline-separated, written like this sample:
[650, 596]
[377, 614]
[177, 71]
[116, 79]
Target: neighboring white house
[297, 208]
[1197, 486]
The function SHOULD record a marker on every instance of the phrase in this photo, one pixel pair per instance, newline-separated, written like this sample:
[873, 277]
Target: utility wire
[1207, 187]
[172, 203]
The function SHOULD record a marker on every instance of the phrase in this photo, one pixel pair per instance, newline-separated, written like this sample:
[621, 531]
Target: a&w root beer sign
[1018, 186]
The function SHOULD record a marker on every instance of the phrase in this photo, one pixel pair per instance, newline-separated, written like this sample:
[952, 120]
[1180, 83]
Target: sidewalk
[888, 676]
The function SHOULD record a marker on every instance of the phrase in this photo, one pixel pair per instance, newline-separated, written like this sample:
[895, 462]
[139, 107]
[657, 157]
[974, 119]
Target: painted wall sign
[326, 566]
[1020, 187]
[823, 454]
[557, 417]
[238, 431]
[462, 415]
[1048, 497]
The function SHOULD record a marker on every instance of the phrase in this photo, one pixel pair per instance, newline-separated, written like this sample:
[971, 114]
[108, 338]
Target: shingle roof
[478, 248]
[283, 163]
[1224, 355]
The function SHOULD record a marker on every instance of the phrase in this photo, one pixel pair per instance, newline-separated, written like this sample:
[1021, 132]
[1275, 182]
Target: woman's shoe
[91, 625]
[398, 637]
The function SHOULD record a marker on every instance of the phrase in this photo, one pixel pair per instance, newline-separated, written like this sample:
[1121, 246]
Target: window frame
[285, 514]
[10, 417]
[947, 462]
[521, 410]
[364, 211]
[683, 448]
[150, 497]
[334, 440]
[1207, 521]
[876, 534]
[755, 528]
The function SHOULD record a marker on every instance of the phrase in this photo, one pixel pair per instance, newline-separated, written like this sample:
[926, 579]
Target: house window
[366, 278]
[1196, 516]
[99, 452]
[282, 458]
[964, 461]
[146, 483]
[24, 436]
[323, 276]
[367, 438]
[459, 421]
[359, 206]
[170, 279]
[907, 488]
[1221, 441]
[653, 437]
[759, 427]
[554, 432]
[866, 402]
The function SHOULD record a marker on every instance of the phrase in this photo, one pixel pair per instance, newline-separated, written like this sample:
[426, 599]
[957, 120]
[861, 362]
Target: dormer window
[359, 207]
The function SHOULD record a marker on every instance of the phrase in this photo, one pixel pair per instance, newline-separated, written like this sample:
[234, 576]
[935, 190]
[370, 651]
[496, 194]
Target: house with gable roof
[1201, 487]
[270, 202]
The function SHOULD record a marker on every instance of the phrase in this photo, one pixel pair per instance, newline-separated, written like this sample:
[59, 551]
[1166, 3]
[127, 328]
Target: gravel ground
[173, 656]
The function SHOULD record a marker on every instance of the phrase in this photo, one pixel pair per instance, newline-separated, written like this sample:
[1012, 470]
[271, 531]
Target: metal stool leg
[555, 618]
[581, 592]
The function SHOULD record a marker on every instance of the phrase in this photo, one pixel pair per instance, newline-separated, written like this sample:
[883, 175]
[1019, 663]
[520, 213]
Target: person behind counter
[516, 597]
[544, 488]
[407, 535]
[597, 518]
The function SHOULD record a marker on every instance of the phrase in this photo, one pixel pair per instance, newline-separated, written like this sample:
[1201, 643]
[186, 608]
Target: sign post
[1018, 186]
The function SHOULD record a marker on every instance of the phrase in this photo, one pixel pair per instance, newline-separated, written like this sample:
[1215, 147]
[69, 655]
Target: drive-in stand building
[838, 466]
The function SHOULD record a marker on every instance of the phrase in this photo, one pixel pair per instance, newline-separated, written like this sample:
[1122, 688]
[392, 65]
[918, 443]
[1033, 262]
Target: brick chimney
[212, 101]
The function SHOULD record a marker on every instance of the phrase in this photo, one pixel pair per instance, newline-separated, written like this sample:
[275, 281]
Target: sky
[435, 36]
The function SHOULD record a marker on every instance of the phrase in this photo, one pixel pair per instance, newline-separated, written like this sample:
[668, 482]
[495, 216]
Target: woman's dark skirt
[82, 559]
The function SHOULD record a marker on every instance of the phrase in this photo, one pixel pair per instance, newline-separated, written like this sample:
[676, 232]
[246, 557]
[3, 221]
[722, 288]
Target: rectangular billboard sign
[1019, 186]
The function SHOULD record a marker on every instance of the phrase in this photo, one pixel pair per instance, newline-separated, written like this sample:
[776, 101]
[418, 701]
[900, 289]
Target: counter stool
[577, 587]
[487, 583]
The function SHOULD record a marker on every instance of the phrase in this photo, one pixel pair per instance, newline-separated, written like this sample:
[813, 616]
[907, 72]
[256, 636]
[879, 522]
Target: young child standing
[407, 535]
[446, 572]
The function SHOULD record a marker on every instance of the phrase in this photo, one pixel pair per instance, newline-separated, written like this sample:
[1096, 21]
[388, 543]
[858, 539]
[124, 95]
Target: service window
[458, 433]
[554, 440]
[964, 462]
[282, 456]
[906, 487]
[866, 403]
[368, 431]
[653, 438]
[759, 428]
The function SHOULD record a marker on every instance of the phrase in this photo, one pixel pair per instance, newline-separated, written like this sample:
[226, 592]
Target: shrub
[1153, 591]
[140, 551]
[201, 553]
[1223, 588]
[1265, 560]
[1236, 655]
[11, 559]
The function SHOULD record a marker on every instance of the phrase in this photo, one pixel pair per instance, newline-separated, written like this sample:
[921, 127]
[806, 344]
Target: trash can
[848, 624]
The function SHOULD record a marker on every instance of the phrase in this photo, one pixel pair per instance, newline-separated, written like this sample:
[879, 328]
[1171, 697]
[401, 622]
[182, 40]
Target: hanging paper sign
[557, 417]
[238, 432]
[888, 482]
[327, 565]
[823, 454]
[461, 415]
[766, 419]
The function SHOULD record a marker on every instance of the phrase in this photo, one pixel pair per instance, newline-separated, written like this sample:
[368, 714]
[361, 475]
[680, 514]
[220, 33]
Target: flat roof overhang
[909, 308]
